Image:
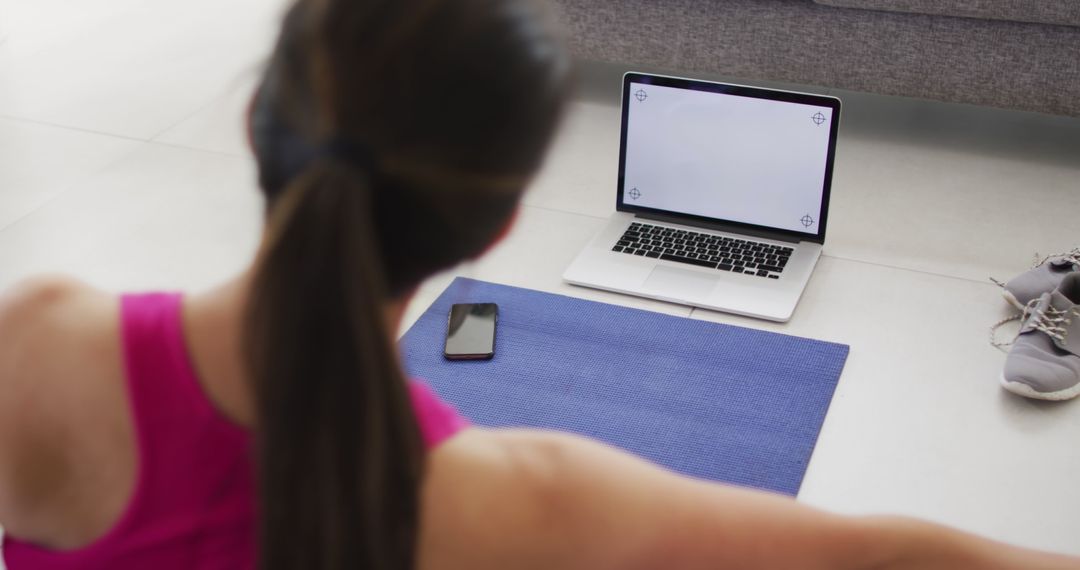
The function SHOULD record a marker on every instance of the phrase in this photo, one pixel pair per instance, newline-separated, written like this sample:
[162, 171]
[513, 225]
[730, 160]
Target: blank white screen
[726, 157]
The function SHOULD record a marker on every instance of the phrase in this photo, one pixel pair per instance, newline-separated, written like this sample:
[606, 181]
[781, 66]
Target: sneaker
[1043, 278]
[1044, 362]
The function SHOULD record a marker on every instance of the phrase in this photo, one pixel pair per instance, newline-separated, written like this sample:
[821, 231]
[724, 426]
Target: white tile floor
[123, 161]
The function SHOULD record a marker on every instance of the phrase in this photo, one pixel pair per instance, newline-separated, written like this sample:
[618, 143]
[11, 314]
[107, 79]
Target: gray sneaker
[1043, 278]
[1044, 362]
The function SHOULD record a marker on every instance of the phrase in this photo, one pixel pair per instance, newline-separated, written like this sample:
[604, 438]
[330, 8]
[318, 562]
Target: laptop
[722, 199]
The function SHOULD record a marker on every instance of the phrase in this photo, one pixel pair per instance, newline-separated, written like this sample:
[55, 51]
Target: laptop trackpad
[678, 283]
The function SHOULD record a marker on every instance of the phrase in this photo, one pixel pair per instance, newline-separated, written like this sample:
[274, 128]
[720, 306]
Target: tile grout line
[908, 269]
[236, 83]
[116, 136]
[558, 211]
[71, 128]
[121, 137]
[68, 188]
[203, 150]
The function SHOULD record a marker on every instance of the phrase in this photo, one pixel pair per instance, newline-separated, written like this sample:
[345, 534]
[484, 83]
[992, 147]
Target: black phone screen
[470, 332]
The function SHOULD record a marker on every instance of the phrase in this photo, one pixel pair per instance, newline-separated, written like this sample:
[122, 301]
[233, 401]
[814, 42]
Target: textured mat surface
[713, 401]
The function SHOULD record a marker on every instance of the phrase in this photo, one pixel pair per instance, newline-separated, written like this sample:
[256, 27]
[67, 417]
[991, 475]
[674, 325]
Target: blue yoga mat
[713, 401]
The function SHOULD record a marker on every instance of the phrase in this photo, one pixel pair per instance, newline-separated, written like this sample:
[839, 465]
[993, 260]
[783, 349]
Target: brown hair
[394, 139]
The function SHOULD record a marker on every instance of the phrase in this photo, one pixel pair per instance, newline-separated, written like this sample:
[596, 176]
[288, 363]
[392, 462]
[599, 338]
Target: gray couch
[1019, 54]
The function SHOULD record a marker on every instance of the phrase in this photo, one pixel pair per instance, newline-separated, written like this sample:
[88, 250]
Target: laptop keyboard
[704, 250]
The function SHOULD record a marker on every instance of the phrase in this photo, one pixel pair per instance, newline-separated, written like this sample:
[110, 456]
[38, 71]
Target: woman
[267, 422]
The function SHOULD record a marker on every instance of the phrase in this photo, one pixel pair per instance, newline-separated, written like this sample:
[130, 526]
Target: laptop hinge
[722, 227]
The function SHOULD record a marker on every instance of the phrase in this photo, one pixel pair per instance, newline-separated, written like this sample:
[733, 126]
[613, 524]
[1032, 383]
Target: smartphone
[470, 331]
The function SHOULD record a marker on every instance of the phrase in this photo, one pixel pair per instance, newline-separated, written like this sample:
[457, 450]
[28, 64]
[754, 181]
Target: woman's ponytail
[339, 452]
[454, 102]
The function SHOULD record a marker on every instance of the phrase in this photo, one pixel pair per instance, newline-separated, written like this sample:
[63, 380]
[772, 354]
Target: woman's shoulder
[31, 296]
[51, 304]
[43, 314]
[43, 318]
[59, 367]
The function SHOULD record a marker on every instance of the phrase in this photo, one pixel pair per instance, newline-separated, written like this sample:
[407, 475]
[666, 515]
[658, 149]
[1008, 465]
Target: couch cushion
[1060, 12]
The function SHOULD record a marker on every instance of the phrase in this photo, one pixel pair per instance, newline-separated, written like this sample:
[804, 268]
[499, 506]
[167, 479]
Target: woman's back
[190, 502]
[168, 482]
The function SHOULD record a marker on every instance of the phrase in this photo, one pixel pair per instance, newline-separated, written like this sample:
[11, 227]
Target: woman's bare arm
[558, 501]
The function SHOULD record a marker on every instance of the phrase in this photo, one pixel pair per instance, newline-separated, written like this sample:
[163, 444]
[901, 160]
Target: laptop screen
[755, 157]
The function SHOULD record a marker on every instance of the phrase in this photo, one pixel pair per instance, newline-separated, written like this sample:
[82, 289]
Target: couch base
[1024, 66]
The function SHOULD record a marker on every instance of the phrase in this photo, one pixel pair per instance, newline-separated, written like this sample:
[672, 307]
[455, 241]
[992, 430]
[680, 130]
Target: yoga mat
[713, 401]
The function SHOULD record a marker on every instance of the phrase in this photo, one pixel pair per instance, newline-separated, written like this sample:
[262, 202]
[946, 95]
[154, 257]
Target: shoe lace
[1049, 320]
[1072, 256]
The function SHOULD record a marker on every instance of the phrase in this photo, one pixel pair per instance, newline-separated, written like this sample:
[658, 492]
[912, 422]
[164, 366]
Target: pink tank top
[193, 505]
